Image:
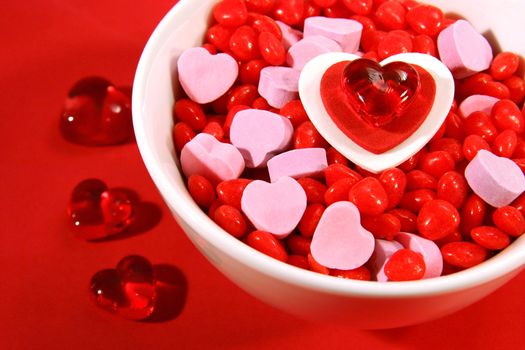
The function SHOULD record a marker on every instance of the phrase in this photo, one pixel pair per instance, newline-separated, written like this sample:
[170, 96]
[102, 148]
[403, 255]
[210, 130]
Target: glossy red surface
[46, 271]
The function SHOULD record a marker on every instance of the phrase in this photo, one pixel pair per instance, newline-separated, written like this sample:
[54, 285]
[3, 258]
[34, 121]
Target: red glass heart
[380, 93]
[129, 290]
[97, 212]
[96, 113]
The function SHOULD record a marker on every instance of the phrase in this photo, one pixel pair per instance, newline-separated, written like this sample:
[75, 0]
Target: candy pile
[258, 166]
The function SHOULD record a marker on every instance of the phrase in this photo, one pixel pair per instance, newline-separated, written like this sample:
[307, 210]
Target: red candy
[306, 136]
[369, 196]
[339, 190]
[437, 219]
[505, 143]
[244, 44]
[182, 134]
[417, 179]
[201, 190]
[219, 36]
[264, 24]
[191, 113]
[382, 226]
[490, 237]
[391, 15]
[230, 192]
[504, 65]
[407, 219]
[360, 274]
[314, 190]
[250, 72]
[425, 19]
[129, 290]
[267, 243]
[472, 145]
[295, 112]
[360, 7]
[453, 188]
[96, 113]
[463, 254]
[394, 182]
[97, 212]
[509, 220]
[231, 220]
[393, 43]
[231, 13]
[310, 219]
[405, 265]
[289, 11]
[437, 163]
[260, 6]
[506, 115]
[272, 51]
[472, 214]
[414, 200]
[336, 172]
[298, 245]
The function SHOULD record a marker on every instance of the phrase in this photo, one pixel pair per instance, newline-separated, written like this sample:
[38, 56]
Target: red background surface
[49, 45]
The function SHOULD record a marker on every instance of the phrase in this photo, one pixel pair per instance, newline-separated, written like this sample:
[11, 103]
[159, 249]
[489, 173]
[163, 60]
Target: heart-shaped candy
[96, 113]
[205, 155]
[346, 32]
[274, 207]
[278, 85]
[206, 77]
[339, 241]
[97, 212]
[378, 93]
[397, 141]
[129, 290]
[259, 135]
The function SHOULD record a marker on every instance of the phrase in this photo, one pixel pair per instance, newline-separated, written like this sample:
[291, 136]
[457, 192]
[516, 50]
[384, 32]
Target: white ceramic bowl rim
[510, 259]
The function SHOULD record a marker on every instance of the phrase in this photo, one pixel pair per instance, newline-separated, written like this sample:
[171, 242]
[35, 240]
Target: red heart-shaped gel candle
[129, 290]
[380, 93]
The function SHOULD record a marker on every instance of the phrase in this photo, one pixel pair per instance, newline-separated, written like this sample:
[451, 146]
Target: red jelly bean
[289, 11]
[96, 113]
[437, 219]
[272, 50]
[230, 191]
[231, 13]
[324, 3]
[306, 136]
[261, 103]
[371, 38]
[507, 115]
[298, 245]
[454, 127]
[369, 196]
[504, 65]
[182, 134]
[494, 89]
[453, 237]
[336, 172]
[310, 219]
[472, 214]
[267, 244]
[295, 112]
[424, 44]
[360, 7]
[516, 86]
[382, 226]
[211, 48]
[436, 163]
[250, 72]
[391, 15]
[311, 9]
[509, 220]
[219, 36]
[339, 190]
[201, 190]
[411, 162]
[505, 143]
[215, 129]
[463, 254]
[298, 261]
[242, 95]
[334, 157]
[394, 182]
[191, 113]
[394, 42]
[314, 190]
[414, 200]
[453, 188]
[471, 85]
[417, 179]
[450, 145]
[338, 10]
[425, 19]
[260, 6]
[361, 274]
[406, 218]
[490, 237]
[129, 290]
[367, 22]
[472, 145]
[405, 265]
[244, 44]
[316, 267]
[231, 220]
[264, 24]
[220, 105]
[519, 203]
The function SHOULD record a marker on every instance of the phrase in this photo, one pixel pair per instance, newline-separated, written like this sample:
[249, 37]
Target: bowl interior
[156, 86]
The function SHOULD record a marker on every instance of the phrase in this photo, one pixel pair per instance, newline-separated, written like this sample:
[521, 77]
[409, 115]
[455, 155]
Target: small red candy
[505, 143]
[129, 290]
[390, 15]
[450, 145]
[424, 44]
[315, 266]
[509, 220]
[361, 274]
[191, 113]
[96, 113]
[425, 19]
[490, 237]
[310, 219]
[437, 219]
[267, 244]
[231, 220]
[201, 190]
[516, 86]
[339, 190]
[507, 115]
[472, 145]
[264, 24]
[219, 36]
[289, 11]
[244, 44]
[272, 50]
[298, 245]
[182, 134]
[231, 13]
[260, 6]
[394, 182]
[250, 72]
[463, 254]
[97, 212]
[359, 7]
[394, 42]
[437, 163]
[230, 191]
[242, 95]
[382, 226]
[453, 188]
[298, 261]
[414, 200]
[417, 180]
[472, 214]
[333, 156]
[369, 196]
[407, 219]
[405, 265]
[504, 65]
[295, 112]
[336, 172]
[307, 136]
[314, 189]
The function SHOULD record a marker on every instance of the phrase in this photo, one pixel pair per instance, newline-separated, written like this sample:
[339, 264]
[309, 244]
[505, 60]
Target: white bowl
[301, 292]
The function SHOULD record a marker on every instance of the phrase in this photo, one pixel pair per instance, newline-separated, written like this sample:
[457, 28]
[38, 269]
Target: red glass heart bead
[129, 290]
[97, 212]
[380, 93]
[96, 113]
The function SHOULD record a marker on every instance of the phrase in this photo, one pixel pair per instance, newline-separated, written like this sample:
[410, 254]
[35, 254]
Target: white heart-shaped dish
[310, 93]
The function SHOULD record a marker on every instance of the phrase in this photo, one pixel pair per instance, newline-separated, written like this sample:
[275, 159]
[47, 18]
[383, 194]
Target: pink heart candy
[476, 103]
[279, 85]
[383, 250]
[206, 77]
[205, 155]
[346, 32]
[290, 35]
[305, 50]
[298, 163]
[463, 50]
[339, 241]
[430, 251]
[497, 180]
[259, 135]
[274, 207]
